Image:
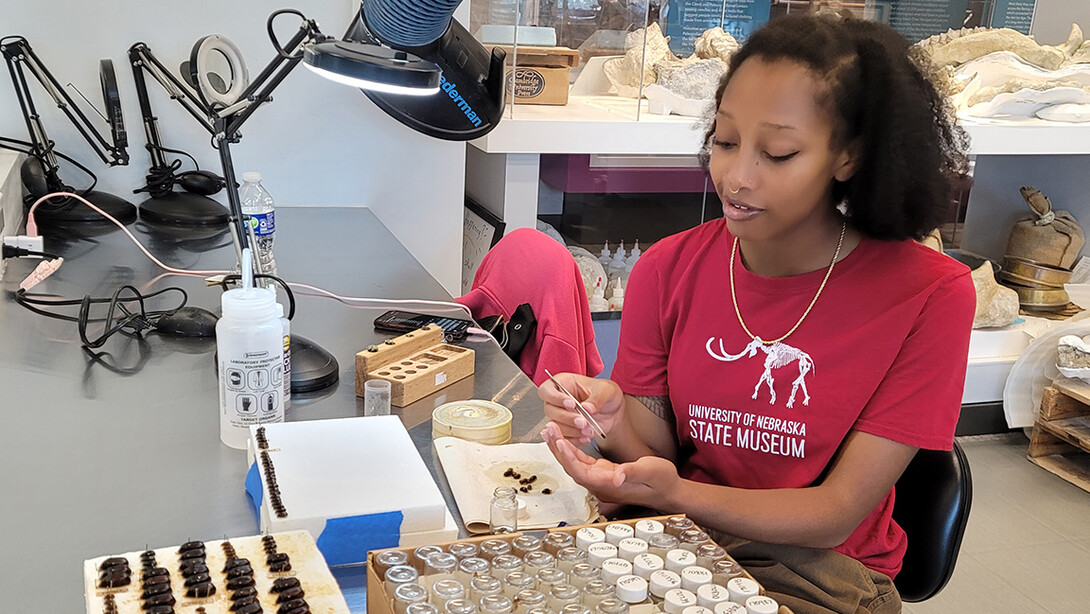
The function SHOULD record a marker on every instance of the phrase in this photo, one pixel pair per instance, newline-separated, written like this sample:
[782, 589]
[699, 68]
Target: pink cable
[32, 231]
[382, 302]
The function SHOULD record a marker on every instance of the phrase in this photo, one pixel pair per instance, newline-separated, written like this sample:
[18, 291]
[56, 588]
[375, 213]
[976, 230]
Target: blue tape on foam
[345, 541]
[254, 491]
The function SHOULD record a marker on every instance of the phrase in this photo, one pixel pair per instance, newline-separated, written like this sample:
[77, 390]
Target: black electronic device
[406, 321]
[188, 322]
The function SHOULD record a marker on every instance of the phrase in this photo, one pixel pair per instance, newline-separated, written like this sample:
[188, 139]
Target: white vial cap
[588, 535]
[708, 595]
[631, 589]
[630, 547]
[761, 605]
[694, 577]
[646, 564]
[646, 528]
[729, 607]
[616, 532]
[251, 176]
[679, 559]
[600, 553]
[676, 600]
[696, 609]
[614, 569]
[742, 589]
[663, 581]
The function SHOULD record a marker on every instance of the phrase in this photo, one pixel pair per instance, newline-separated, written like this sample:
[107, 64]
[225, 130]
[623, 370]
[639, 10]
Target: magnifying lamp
[354, 63]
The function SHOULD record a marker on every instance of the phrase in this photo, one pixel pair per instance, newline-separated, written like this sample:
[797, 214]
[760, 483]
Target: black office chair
[932, 505]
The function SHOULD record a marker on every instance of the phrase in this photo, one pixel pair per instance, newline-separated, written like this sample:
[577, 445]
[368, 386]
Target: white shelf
[607, 125]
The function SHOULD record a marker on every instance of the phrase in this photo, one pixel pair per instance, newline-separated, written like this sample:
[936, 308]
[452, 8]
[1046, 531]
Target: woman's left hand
[649, 481]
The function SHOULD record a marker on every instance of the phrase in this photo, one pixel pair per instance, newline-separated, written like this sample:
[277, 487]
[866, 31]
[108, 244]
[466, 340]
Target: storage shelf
[607, 125]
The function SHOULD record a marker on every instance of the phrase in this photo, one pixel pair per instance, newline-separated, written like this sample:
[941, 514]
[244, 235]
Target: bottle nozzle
[247, 269]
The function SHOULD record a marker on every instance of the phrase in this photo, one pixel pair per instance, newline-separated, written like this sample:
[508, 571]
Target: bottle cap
[631, 589]
[761, 605]
[629, 547]
[663, 581]
[251, 176]
[600, 553]
[694, 577]
[646, 564]
[708, 595]
[588, 535]
[678, 559]
[645, 528]
[614, 569]
[616, 532]
[729, 607]
[742, 589]
[252, 304]
[676, 600]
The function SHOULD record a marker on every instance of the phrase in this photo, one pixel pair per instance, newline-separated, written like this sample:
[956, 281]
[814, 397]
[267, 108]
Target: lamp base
[79, 213]
[312, 367]
[183, 209]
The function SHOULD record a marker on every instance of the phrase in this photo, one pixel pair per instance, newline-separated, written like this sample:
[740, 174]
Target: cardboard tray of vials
[714, 591]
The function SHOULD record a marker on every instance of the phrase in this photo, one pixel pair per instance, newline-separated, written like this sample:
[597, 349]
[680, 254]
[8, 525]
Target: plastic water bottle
[257, 203]
[250, 349]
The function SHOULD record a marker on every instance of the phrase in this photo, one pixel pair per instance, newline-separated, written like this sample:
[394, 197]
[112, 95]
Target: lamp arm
[17, 52]
[142, 59]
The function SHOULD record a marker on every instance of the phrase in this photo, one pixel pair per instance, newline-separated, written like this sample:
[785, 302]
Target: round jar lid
[472, 420]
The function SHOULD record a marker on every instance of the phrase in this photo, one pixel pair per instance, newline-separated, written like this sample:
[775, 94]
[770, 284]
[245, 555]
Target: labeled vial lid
[616, 532]
[694, 577]
[742, 589]
[529, 598]
[600, 553]
[629, 547]
[410, 592]
[611, 606]
[538, 559]
[614, 569]
[761, 605]
[678, 559]
[421, 607]
[556, 541]
[646, 564]
[460, 606]
[400, 574]
[463, 550]
[708, 595]
[663, 581]
[497, 604]
[491, 548]
[646, 528]
[676, 600]
[729, 607]
[551, 576]
[696, 609]
[588, 535]
[448, 588]
[632, 589]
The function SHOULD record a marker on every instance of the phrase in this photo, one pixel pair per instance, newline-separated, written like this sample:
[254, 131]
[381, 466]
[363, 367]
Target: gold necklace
[734, 296]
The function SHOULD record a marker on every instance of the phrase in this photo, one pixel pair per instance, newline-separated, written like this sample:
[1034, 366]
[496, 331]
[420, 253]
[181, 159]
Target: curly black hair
[881, 99]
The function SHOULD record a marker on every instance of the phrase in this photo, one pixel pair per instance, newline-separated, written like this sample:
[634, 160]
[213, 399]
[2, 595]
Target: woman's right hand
[602, 398]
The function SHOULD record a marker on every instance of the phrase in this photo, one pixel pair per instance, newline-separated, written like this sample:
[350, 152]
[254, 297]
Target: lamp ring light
[218, 71]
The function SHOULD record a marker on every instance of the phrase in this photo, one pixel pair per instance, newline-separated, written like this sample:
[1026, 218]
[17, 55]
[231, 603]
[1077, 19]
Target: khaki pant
[813, 580]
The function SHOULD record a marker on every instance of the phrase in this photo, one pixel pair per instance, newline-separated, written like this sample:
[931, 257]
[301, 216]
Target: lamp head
[372, 67]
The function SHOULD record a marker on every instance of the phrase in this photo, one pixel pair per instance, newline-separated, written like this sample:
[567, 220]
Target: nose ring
[733, 191]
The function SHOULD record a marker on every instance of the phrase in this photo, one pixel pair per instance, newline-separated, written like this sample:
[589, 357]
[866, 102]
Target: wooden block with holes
[416, 364]
[1060, 441]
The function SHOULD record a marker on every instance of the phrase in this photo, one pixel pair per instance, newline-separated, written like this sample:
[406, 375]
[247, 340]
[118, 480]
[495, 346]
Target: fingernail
[545, 433]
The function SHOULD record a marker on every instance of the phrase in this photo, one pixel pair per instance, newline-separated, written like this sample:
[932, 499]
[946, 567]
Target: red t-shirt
[883, 351]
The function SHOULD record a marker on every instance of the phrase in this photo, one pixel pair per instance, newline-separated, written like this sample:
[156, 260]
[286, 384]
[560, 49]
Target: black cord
[272, 35]
[28, 149]
[10, 251]
[283, 284]
[179, 151]
[160, 180]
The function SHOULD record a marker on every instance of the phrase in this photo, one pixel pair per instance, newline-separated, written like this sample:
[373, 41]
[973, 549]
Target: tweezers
[582, 410]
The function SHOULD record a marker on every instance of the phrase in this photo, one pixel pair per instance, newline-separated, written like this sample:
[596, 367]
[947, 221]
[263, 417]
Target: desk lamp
[355, 63]
[40, 172]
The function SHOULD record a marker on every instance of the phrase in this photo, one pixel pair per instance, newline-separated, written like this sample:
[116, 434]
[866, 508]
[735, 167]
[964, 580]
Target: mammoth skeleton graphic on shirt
[777, 355]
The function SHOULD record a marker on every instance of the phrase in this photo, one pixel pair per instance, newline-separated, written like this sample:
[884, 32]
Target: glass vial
[420, 556]
[611, 606]
[708, 554]
[710, 595]
[460, 606]
[662, 543]
[389, 558]
[677, 600]
[566, 558]
[561, 595]
[525, 544]
[422, 608]
[693, 539]
[741, 589]
[516, 582]
[472, 567]
[556, 541]
[582, 573]
[397, 575]
[491, 548]
[646, 528]
[724, 570]
[616, 532]
[588, 535]
[443, 591]
[529, 599]
[538, 560]
[549, 577]
[503, 513]
[575, 608]
[440, 566]
[676, 524]
[408, 594]
[694, 577]
[595, 592]
[761, 605]
[505, 564]
[497, 604]
[482, 586]
[464, 550]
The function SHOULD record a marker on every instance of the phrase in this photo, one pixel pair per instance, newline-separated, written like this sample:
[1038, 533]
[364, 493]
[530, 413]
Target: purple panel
[573, 174]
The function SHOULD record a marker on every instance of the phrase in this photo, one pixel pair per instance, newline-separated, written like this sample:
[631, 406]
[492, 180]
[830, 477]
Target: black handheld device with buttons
[407, 321]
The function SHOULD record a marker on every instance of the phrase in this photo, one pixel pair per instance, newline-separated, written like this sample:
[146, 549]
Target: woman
[779, 368]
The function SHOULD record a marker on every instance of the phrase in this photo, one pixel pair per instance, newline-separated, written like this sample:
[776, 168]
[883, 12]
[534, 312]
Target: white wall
[317, 143]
